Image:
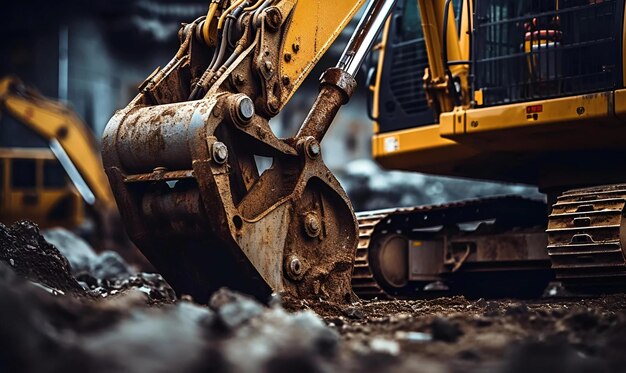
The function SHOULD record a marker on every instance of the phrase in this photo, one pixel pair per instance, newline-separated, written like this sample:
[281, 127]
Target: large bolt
[312, 225]
[274, 106]
[273, 18]
[312, 148]
[244, 109]
[220, 152]
[293, 267]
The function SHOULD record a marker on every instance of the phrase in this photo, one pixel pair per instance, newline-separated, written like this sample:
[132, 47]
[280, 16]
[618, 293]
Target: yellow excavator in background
[51, 186]
[526, 92]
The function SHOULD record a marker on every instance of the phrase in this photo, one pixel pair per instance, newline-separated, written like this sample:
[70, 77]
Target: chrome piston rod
[338, 83]
[364, 35]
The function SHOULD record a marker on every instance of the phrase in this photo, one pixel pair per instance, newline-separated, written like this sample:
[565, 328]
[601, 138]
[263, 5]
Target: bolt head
[312, 225]
[312, 148]
[245, 108]
[273, 18]
[294, 267]
[220, 152]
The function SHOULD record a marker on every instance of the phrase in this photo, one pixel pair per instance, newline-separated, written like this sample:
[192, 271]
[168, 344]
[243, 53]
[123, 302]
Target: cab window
[24, 173]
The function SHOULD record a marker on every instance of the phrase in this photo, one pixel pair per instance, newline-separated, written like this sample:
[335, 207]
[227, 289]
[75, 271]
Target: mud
[31, 256]
[54, 322]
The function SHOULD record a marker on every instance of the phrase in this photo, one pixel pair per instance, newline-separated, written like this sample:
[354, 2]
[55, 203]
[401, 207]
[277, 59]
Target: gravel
[56, 322]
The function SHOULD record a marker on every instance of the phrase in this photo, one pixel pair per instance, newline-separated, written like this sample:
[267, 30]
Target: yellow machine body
[49, 205]
[33, 187]
[553, 142]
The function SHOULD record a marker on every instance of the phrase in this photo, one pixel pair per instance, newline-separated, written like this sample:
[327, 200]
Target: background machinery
[512, 91]
[527, 92]
[51, 185]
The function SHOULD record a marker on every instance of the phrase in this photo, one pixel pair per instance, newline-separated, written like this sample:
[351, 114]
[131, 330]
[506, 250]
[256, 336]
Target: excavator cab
[525, 51]
[544, 67]
[399, 98]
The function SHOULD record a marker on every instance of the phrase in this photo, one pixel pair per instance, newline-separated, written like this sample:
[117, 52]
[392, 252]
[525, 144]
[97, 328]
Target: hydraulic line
[209, 17]
[253, 7]
[222, 19]
[217, 66]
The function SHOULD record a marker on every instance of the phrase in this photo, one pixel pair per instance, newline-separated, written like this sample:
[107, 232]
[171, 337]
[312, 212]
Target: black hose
[234, 18]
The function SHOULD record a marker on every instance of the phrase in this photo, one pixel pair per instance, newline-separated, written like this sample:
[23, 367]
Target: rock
[413, 336]
[353, 312]
[233, 309]
[77, 251]
[517, 309]
[444, 330]
[492, 309]
[385, 346]
[152, 284]
[109, 265]
[436, 286]
[164, 340]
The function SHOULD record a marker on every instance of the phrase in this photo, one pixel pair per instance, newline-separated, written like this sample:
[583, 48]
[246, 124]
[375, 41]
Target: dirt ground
[457, 335]
[57, 320]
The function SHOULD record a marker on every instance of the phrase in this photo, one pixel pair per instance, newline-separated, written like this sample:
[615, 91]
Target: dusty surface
[454, 334]
[58, 319]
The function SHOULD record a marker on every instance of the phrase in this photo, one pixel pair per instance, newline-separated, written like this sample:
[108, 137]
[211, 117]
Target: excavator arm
[446, 77]
[181, 156]
[67, 135]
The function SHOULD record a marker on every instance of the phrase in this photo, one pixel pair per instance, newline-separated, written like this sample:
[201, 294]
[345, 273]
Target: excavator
[513, 91]
[35, 179]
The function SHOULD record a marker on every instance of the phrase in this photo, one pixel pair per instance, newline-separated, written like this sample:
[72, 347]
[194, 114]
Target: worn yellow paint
[588, 108]
[314, 26]
[425, 141]
[620, 104]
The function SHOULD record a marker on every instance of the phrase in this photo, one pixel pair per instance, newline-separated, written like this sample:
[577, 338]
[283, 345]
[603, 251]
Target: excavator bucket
[187, 184]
